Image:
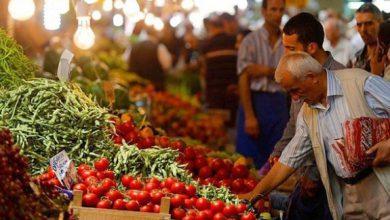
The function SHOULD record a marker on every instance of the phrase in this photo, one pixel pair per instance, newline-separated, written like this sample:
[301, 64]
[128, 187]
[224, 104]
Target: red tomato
[133, 194]
[113, 195]
[238, 185]
[81, 168]
[169, 182]
[200, 162]
[107, 184]
[146, 208]
[126, 179]
[240, 171]
[87, 173]
[250, 184]
[228, 164]
[205, 172]
[178, 145]
[151, 186]
[192, 212]
[91, 180]
[102, 164]
[229, 210]
[222, 174]
[219, 216]
[178, 188]
[190, 190]
[217, 206]
[80, 186]
[104, 204]
[119, 204]
[132, 205]
[90, 200]
[109, 174]
[156, 208]
[217, 164]
[189, 217]
[188, 203]
[54, 182]
[100, 175]
[136, 184]
[178, 213]
[203, 215]
[96, 189]
[189, 153]
[202, 204]
[156, 197]
[177, 200]
[241, 208]
[143, 197]
[51, 173]
[154, 180]
[209, 213]
[248, 216]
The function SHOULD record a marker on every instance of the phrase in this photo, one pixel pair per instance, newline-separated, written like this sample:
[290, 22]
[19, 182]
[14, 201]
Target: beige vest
[352, 83]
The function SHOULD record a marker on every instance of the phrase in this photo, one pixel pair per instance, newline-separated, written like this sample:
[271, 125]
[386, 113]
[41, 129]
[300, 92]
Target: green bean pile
[14, 65]
[47, 116]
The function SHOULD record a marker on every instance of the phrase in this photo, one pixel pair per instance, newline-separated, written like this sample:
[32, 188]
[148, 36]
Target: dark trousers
[272, 114]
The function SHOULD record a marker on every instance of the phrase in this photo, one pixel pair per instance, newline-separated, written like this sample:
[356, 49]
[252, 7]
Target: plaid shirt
[362, 61]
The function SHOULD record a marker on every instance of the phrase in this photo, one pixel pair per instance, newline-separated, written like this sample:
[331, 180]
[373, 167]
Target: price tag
[64, 169]
[63, 71]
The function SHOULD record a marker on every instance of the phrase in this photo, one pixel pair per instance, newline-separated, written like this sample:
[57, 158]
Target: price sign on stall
[64, 169]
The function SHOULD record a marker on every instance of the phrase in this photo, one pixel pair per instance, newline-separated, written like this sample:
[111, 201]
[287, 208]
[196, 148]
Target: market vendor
[332, 97]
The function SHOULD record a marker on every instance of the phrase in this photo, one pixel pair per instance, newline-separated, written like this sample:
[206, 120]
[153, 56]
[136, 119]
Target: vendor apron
[272, 113]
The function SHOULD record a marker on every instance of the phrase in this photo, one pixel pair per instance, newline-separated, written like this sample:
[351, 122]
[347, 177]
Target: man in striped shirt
[364, 194]
[263, 110]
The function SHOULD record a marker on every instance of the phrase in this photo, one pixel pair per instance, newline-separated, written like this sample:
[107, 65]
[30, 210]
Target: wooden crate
[86, 213]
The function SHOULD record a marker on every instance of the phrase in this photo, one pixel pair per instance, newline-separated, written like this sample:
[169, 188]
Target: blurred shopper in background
[335, 42]
[263, 110]
[150, 59]
[220, 60]
[368, 18]
[229, 23]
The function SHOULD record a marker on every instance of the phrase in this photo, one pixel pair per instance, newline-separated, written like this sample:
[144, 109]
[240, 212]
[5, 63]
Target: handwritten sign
[64, 169]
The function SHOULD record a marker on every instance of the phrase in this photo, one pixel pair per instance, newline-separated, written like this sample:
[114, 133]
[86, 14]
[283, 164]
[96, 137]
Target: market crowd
[287, 92]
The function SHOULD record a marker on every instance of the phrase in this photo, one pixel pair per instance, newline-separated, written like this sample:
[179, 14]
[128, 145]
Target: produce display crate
[86, 213]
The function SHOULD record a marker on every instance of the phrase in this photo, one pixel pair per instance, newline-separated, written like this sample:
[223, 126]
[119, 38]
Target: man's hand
[252, 127]
[382, 150]
[248, 196]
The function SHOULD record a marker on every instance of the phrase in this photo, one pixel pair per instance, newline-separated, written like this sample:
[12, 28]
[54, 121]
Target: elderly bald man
[332, 97]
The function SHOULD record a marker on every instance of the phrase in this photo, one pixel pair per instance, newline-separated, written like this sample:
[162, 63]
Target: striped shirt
[330, 119]
[256, 49]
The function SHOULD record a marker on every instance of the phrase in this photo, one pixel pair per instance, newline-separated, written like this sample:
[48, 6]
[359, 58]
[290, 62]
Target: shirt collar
[329, 60]
[265, 35]
[333, 89]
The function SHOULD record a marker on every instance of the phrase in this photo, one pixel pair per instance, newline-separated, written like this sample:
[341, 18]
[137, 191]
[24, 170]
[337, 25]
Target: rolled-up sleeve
[246, 54]
[299, 149]
[377, 94]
